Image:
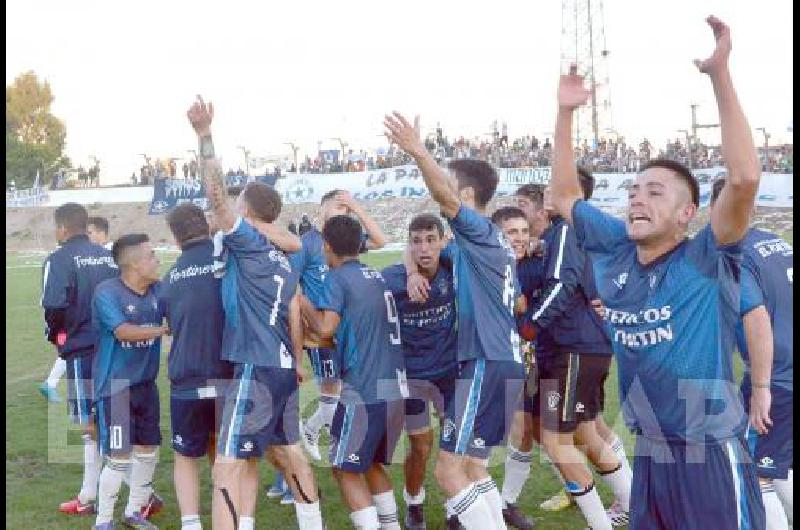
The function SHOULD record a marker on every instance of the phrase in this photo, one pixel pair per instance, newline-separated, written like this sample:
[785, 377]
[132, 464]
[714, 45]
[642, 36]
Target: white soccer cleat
[311, 442]
[619, 517]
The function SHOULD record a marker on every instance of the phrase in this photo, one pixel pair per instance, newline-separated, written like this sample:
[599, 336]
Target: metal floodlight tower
[583, 42]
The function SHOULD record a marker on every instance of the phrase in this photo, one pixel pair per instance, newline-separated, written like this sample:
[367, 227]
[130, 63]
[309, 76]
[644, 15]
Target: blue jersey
[530, 272]
[310, 264]
[368, 340]
[485, 277]
[428, 329]
[120, 364]
[767, 280]
[69, 278]
[672, 329]
[257, 287]
[191, 300]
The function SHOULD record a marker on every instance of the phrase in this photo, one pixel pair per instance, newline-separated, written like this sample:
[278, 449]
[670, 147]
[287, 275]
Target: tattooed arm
[200, 116]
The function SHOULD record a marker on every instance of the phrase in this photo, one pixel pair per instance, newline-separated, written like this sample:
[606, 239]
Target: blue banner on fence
[169, 193]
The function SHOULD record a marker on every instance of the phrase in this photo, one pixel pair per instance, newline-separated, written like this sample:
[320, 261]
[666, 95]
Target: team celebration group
[500, 325]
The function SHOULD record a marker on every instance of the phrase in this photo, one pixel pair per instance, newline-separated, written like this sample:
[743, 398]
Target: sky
[124, 73]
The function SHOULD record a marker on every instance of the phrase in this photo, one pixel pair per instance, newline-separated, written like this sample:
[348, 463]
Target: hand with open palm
[718, 61]
[571, 92]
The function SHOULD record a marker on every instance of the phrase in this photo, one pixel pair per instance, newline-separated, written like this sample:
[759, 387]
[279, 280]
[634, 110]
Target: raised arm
[200, 116]
[281, 237]
[730, 217]
[439, 184]
[376, 237]
[565, 187]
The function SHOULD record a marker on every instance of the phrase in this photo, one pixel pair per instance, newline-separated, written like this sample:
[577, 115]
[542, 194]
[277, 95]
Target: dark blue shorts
[365, 434]
[480, 415]
[773, 453]
[195, 414]
[129, 417]
[79, 390]
[262, 408]
[323, 363]
[439, 391]
[694, 487]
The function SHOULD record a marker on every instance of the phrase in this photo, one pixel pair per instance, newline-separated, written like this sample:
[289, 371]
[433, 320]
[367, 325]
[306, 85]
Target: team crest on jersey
[766, 462]
[553, 398]
[247, 446]
[478, 443]
[353, 458]
[131, 308]
[442, 285]
[620, 280]
[178, 440]
[448, 429]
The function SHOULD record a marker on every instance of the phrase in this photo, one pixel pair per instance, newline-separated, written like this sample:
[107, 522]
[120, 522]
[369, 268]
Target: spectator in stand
[185, 171]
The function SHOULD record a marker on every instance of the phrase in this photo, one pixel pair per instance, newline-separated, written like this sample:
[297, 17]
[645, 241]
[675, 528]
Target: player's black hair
[716, 189]
[72, 216]
[343, 234]
[501, 215]
[186, 222]
[587, 182]
[681, 171]
[532, 192]
[125, 242]
[478, 175]
[426, 221]
[330, 195]
[100, 223]
[263, 201]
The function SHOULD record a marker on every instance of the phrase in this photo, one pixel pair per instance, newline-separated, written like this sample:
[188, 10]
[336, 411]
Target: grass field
[44, 452]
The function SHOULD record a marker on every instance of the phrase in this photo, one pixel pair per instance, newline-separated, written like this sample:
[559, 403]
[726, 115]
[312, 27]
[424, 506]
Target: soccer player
[359, 311]
[672, 304]
[428, 332]
[491, 373]
[69, 278]
[262, 337]
[764, 337]
[310, 264]
[191, 301]
[127, 318]
[98, 232]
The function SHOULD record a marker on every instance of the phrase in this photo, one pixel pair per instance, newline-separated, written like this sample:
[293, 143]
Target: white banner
[611, 189]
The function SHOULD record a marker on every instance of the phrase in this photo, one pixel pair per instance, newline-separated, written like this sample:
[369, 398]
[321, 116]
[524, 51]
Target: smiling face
[659, 207]
[518, 234]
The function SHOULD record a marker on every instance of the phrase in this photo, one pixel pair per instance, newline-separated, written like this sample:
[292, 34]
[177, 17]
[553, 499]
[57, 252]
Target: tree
[34, 137]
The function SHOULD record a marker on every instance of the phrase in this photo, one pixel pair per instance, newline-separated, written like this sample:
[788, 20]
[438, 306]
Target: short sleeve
[395, 278]
[705, 254]
[244, 238]
[471, 226]
[55, 284]
[596, 230]
[106, 311]
[751, 292]
[332, 294]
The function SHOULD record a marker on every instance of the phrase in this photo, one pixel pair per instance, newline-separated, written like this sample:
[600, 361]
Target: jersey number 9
[391, 313]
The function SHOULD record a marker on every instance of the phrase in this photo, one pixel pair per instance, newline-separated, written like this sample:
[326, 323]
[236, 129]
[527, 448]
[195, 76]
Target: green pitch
[44, 451]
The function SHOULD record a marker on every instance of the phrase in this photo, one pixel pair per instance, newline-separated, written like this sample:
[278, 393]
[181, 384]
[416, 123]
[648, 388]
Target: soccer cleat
[154, 505]
[104, 526]
[288, 497]
[415, 518]
[618, 516]
[137, 521]
[453, 523]
[50, 393]
[514, 517]
[557, 502]
[278, 489]
[311, 442]
[76, 507]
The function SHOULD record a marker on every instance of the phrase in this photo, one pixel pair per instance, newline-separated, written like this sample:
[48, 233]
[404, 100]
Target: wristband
[207, 147]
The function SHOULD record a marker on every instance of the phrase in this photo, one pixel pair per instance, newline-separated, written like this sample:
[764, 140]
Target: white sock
[386, 507]
[56, 373]
[619, 450]
[784, 488]
[143, 466]
[324, 413]
[191, 522]
[488, 490]
[517, 471]
[309, 516]
[91, 470]
[365, 519]
[247, 523]
[471, 508]
[591, 506]
[776, 517]
[619, 481]
[108, 489]
[417, 499]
